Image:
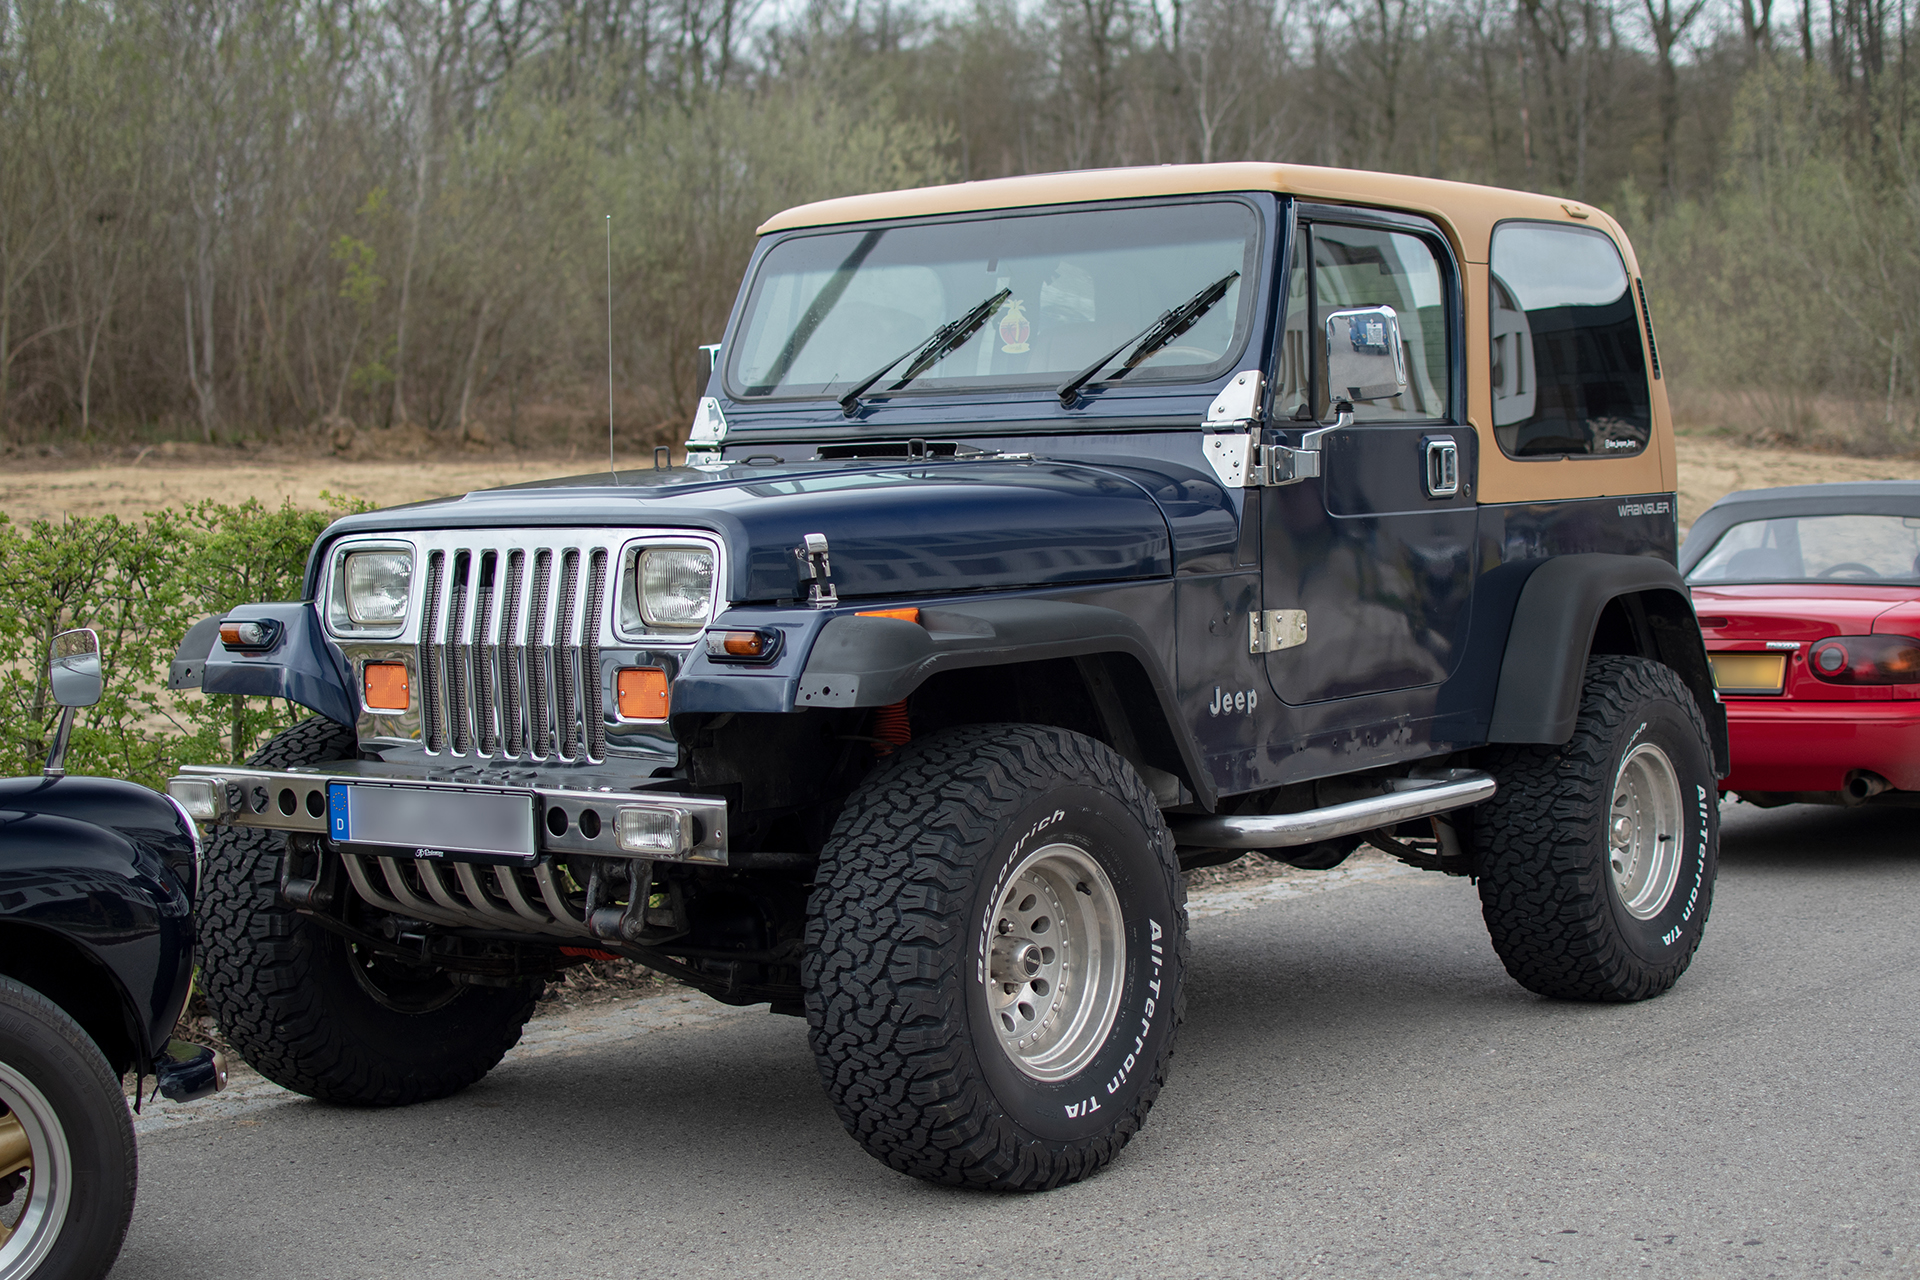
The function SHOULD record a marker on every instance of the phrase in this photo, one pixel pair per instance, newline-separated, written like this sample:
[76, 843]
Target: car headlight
[675, 586]
[376, 585]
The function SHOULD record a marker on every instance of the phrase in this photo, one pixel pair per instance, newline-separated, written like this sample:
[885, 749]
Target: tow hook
[615, 923]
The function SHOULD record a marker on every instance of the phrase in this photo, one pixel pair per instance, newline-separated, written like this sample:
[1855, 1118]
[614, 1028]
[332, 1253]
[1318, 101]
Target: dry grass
[1863, 428]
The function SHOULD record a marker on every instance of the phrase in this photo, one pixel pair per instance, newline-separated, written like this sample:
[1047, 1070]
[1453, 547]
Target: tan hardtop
[1465, 210]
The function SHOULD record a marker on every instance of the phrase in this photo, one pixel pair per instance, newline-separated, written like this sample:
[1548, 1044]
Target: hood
[933, 527]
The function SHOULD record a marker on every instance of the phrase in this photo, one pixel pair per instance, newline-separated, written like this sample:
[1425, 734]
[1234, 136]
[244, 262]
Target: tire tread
[257, 957]
[1545, 898]
[886, 1010]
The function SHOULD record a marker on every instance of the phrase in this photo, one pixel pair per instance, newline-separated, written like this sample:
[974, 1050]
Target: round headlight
[377, 584]
[676, 586]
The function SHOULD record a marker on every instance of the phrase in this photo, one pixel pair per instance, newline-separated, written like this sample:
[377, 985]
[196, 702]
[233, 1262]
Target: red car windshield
[1832, 548]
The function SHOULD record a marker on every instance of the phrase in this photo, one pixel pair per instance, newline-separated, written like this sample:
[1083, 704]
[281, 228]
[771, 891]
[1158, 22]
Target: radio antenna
[610, 467]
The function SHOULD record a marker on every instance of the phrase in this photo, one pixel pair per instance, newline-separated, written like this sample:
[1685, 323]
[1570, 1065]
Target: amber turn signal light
[641, 693]
[385, 686]
[905, 615]
[759, 645]
[248, 636]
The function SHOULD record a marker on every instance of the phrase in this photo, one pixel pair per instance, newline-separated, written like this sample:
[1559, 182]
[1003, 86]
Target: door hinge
[1243, 463]
[1271, 630]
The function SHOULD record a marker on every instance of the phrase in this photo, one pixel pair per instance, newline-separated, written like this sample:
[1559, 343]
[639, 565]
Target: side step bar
[1405, 798]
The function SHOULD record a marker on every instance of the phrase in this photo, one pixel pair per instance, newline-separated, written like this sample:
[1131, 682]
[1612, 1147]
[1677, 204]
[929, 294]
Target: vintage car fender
[97, 879]
[1552, 635]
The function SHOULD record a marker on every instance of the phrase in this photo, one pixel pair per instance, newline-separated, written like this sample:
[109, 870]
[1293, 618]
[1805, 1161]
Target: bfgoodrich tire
[68, 1206]
[996, 947]
[1597, 859]
[310, 1011]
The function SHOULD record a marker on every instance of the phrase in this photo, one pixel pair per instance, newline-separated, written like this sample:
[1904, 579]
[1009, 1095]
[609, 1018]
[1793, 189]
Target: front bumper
[1781, 745]
[422, 817]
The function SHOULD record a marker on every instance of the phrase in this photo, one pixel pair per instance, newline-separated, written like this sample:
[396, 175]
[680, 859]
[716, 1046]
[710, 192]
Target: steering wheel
[1849, 566]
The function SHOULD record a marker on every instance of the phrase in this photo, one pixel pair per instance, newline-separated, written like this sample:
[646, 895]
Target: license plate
[1748, 672]
[434, 822]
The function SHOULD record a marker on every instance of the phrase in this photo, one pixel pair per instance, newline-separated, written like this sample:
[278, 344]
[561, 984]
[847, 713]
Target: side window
[1569, 374]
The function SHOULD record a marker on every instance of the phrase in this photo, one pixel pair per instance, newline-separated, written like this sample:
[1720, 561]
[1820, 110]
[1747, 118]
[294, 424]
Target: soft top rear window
[1833, 548]
[825, 309]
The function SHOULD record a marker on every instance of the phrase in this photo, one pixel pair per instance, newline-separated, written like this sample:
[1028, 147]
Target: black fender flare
[303, 666]
[1552, 633]
[877, 661]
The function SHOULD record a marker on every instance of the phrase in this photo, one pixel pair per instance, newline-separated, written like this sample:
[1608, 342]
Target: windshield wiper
[1169, 326]
[926, 354]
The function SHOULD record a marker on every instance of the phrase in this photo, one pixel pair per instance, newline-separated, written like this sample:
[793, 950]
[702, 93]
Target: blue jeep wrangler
[1038, 540]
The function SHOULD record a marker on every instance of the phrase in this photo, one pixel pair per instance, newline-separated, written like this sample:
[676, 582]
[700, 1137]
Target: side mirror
[73, 668]
[1365, 360]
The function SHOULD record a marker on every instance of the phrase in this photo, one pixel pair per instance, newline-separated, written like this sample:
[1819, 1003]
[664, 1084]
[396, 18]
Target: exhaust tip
[1862, 785]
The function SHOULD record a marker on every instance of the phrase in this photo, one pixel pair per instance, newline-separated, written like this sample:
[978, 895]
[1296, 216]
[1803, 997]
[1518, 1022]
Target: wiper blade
[928, 353]
[1169, 326]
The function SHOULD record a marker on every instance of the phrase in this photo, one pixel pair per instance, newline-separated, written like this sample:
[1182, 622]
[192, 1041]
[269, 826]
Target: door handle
[1442, 466]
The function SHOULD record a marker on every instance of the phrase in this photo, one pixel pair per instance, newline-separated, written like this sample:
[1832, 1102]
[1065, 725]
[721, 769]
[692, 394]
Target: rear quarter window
[1569, 374]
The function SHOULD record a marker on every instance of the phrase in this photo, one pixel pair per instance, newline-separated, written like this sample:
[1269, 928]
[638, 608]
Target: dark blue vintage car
[97, 879]
[1039, 539]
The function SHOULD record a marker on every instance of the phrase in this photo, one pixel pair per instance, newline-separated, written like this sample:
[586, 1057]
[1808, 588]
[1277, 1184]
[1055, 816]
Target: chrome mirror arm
[56, 766]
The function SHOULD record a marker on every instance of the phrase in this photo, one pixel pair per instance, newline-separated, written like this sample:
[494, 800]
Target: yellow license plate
[1748, 672]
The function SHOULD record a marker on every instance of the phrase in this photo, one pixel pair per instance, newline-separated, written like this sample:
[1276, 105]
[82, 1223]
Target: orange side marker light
[641, 693]
[386, 687]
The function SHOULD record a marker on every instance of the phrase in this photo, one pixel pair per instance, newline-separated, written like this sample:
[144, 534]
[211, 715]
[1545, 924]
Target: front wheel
[315, 1013]
[996, 947]
[67, 1162]
[1597, 859]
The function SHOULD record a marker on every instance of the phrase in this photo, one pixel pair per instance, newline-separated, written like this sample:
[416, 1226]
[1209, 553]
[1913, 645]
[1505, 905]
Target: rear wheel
[320, 1015]
[996, 951]
[1597, 859]
[67, 1161]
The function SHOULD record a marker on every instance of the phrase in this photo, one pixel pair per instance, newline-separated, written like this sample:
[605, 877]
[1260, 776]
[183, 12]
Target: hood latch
[814, 573]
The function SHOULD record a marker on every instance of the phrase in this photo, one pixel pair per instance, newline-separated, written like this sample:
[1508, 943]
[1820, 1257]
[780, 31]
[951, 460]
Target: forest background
[242, 220]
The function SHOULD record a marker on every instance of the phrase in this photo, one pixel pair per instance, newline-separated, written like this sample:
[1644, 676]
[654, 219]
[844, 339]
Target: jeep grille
[510, 651]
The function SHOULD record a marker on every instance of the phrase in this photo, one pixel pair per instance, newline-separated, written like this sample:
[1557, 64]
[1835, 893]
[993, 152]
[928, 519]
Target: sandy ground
[1708, 469]
[1711, 469]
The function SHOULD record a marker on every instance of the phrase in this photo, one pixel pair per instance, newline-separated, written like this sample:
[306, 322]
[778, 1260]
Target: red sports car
[1809, 598]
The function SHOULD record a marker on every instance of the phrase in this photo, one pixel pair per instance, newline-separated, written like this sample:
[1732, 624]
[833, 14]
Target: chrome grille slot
[512, 661]
[458, 651]
[590, 656]
[565, 683]
[541, 655]
[430, 686]
[484, 684]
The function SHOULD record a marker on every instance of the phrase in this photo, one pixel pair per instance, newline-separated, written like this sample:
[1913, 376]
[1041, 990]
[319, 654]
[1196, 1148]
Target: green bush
[141, 585]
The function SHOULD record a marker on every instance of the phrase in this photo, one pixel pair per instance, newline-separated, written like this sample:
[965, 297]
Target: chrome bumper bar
[651, 825]
[1406, 798]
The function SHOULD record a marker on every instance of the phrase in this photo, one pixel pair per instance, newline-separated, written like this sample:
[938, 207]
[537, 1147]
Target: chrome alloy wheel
[1644, 830]
[1055, 960]
[33, 1142]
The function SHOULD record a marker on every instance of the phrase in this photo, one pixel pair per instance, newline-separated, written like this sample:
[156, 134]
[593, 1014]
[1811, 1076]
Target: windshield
[825, 310]
[1815, 549]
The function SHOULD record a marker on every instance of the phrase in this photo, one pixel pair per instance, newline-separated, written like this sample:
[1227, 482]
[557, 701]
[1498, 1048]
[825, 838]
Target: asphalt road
[1359, 1091]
